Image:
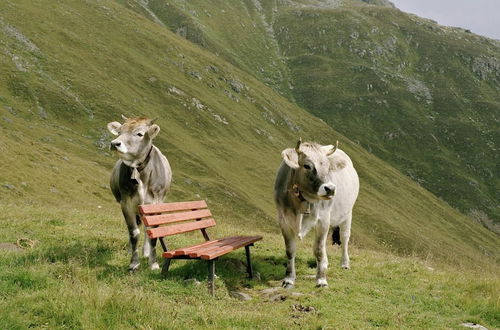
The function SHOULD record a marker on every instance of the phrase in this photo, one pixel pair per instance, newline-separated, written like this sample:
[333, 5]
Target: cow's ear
[153, 131]
[290, 157]
[114, 127]
[337, 162]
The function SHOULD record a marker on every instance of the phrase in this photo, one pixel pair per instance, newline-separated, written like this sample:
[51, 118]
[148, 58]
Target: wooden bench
[168, 219]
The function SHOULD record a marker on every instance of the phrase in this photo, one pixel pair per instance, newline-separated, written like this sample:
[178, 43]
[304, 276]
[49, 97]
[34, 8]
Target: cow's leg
[129, 213]
[289, 236]
[345, 234]
[319, 249]
[289, 280]
[149, 251]
[153, 264]
[307, 223]
[149, 248]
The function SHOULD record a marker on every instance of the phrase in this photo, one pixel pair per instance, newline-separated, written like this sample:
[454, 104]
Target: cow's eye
[307, 167]
[140, 134]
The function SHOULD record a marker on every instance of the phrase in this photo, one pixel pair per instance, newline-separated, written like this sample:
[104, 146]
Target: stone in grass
[240, 295]
[296, 294]
[303, 309]
[193, 281]
[10, 247]
[270, 290]
[473, 326]
[278, 297]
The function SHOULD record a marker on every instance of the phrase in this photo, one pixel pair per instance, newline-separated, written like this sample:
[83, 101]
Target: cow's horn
[124, 118]
[152, 121]
[297, 147]
[333, 149]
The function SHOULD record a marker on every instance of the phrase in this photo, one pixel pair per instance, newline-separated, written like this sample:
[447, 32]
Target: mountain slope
[68, 68]
[421, 96]
[223, 145]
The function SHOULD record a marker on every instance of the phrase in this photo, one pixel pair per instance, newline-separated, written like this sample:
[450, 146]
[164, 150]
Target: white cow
[316, 186]
[142, 175]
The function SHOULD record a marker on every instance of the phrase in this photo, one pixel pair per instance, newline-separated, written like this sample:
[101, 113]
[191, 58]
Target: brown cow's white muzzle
[117, 145]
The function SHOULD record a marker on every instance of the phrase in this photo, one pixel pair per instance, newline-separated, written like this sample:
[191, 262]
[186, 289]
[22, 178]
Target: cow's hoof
[321, 283]
[346, 267]
[288, 284]
[155, 266]
[133, 267]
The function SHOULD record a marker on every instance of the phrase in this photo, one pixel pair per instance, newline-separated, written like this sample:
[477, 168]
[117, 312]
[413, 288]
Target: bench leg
[211, 275]
[249, 262]
[166, 265]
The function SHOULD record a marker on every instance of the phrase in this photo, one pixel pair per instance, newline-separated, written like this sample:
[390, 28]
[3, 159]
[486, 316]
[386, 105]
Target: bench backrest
[176, 218]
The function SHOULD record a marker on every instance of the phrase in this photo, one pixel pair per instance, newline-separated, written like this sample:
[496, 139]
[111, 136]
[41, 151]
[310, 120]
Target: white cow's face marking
[312, 169]
[134, 139]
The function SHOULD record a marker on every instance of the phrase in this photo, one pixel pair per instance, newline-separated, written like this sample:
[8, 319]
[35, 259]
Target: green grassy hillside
[66, 69]
[421, 96]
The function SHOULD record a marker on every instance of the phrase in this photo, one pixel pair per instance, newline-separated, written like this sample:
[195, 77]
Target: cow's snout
[115, 145]
[327, 190]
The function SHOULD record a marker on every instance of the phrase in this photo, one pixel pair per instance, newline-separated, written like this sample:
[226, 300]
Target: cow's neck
[304, 204]
[137, 166]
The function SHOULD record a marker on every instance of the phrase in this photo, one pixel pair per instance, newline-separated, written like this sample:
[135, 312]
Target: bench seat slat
[228, 248]
[189, 249]
[172, 207]
[180, 228]
[198, 246]
[208, 249]
[153, 220]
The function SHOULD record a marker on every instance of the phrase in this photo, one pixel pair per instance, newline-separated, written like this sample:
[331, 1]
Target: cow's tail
[336, 236]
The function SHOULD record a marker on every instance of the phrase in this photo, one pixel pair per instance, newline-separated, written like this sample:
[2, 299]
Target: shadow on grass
[99, 256]
[231, 269]
[91, 254]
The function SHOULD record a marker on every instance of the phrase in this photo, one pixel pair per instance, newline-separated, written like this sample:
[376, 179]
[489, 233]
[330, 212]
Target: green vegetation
[423, 97]
[66, 69]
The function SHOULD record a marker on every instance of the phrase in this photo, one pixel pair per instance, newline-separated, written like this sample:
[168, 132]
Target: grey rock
[278, 297]
[231, 96]
[197, 104]
[175, 90]
[220, 119]
[212, 68]
[192, 281]
[296, 294]
[240, 295]
[270, 290]
[473, 326]
[237, 86]
[9, 186]
[9, 109]
[303, 309]
[42, 113]
[195, 74]
[10, 247]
